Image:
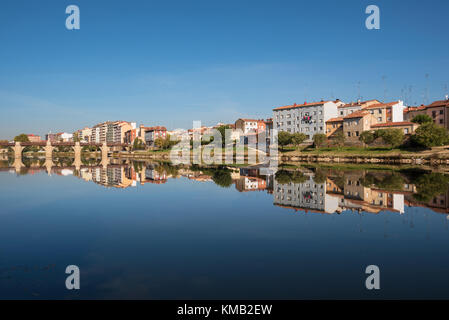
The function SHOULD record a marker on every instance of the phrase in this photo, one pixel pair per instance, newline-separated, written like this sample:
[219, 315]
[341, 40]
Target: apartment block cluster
[326, 117]
[333, 116]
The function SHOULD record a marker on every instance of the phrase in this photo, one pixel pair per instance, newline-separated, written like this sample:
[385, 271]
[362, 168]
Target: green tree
[164, 143]
[222, 178]
[284, 138]
[430, 135]
[320, 176]
[422, 118]
[225, 134]
[367, 137]
[340, 138]
[392, 137]
[21, 138]
[430, 185]
[138, 144]
[3, 141]
[319, 139]
[298, 138]
[283, 177]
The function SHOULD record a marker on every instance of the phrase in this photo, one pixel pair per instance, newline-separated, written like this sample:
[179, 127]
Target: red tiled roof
[409, 109]
[439, 103]
[381, 105]
[355, 104]
[393, 124]
[305, 104]
[247, 120]
[357, 114]
[154, 128]
[335, 119]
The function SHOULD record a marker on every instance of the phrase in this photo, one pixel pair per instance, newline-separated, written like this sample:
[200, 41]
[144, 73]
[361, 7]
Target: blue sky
[172, 62]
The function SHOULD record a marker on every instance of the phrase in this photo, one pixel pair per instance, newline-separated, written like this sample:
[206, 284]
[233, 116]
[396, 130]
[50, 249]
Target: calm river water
[153, 231]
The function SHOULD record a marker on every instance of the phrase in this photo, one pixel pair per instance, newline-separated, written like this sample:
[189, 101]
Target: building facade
[307, 118]
[438, 111]
[250, 125]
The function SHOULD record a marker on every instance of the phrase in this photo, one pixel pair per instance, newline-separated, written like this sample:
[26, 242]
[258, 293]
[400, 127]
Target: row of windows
[302, 114]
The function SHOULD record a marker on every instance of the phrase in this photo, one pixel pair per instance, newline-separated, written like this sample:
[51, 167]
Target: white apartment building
[307, 195]
[307, 118]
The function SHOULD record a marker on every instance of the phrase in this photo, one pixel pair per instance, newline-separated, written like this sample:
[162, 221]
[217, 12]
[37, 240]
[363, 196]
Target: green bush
[430, 135]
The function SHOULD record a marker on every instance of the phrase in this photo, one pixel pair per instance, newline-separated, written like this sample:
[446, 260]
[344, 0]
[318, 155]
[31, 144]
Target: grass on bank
[349, 151]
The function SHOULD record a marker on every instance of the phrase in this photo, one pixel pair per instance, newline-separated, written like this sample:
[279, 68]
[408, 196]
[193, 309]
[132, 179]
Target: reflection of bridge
[50, 146]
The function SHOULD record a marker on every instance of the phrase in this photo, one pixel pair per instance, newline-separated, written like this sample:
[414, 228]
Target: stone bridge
[49, 147]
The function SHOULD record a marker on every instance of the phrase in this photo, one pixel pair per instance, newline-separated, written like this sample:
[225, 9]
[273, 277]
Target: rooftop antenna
[305, 92]
[410, 90]
[358, 90]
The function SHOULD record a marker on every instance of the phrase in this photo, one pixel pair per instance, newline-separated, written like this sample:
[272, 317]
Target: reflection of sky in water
[191, 238]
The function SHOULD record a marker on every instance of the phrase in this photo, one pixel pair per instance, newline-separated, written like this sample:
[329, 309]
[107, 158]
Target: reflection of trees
[430, 185]
[320, 176]
[222, 178]
[285, 177]
[390, 182]
[63, 162]
[167, 169]
[63, 149]
[90, 161]
[138, 166]
[220, 175]
[91, 149]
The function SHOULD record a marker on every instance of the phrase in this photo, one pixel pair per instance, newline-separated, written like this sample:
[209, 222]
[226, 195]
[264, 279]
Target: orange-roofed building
[33, 138]
[406, 126]
[348, 108]
[437, 110]
[387, 112]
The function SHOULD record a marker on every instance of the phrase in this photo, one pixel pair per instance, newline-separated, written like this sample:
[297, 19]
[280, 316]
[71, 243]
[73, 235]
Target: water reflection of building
[439, 203]
[353, 194]
[244, 184]
[307, 195]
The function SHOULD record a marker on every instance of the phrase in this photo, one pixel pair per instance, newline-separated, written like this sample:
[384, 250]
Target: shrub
[422, 118]
[319, 139]
[430, 135]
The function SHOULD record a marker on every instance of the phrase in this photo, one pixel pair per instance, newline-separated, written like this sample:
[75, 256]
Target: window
[434, 114]
[405, 130]
[372, 111]
[341, 113]
[289, 123]
[441, 121]
[380, 110]
[356, 133]
[379, 119]
[349, 134]
[441, 111]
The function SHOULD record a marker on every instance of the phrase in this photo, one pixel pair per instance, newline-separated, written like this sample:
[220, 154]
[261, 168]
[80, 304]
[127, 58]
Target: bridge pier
[49, 165]
[18, 164]
[77, 161]
[18, 150]
[48, 150]
[104, 155]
